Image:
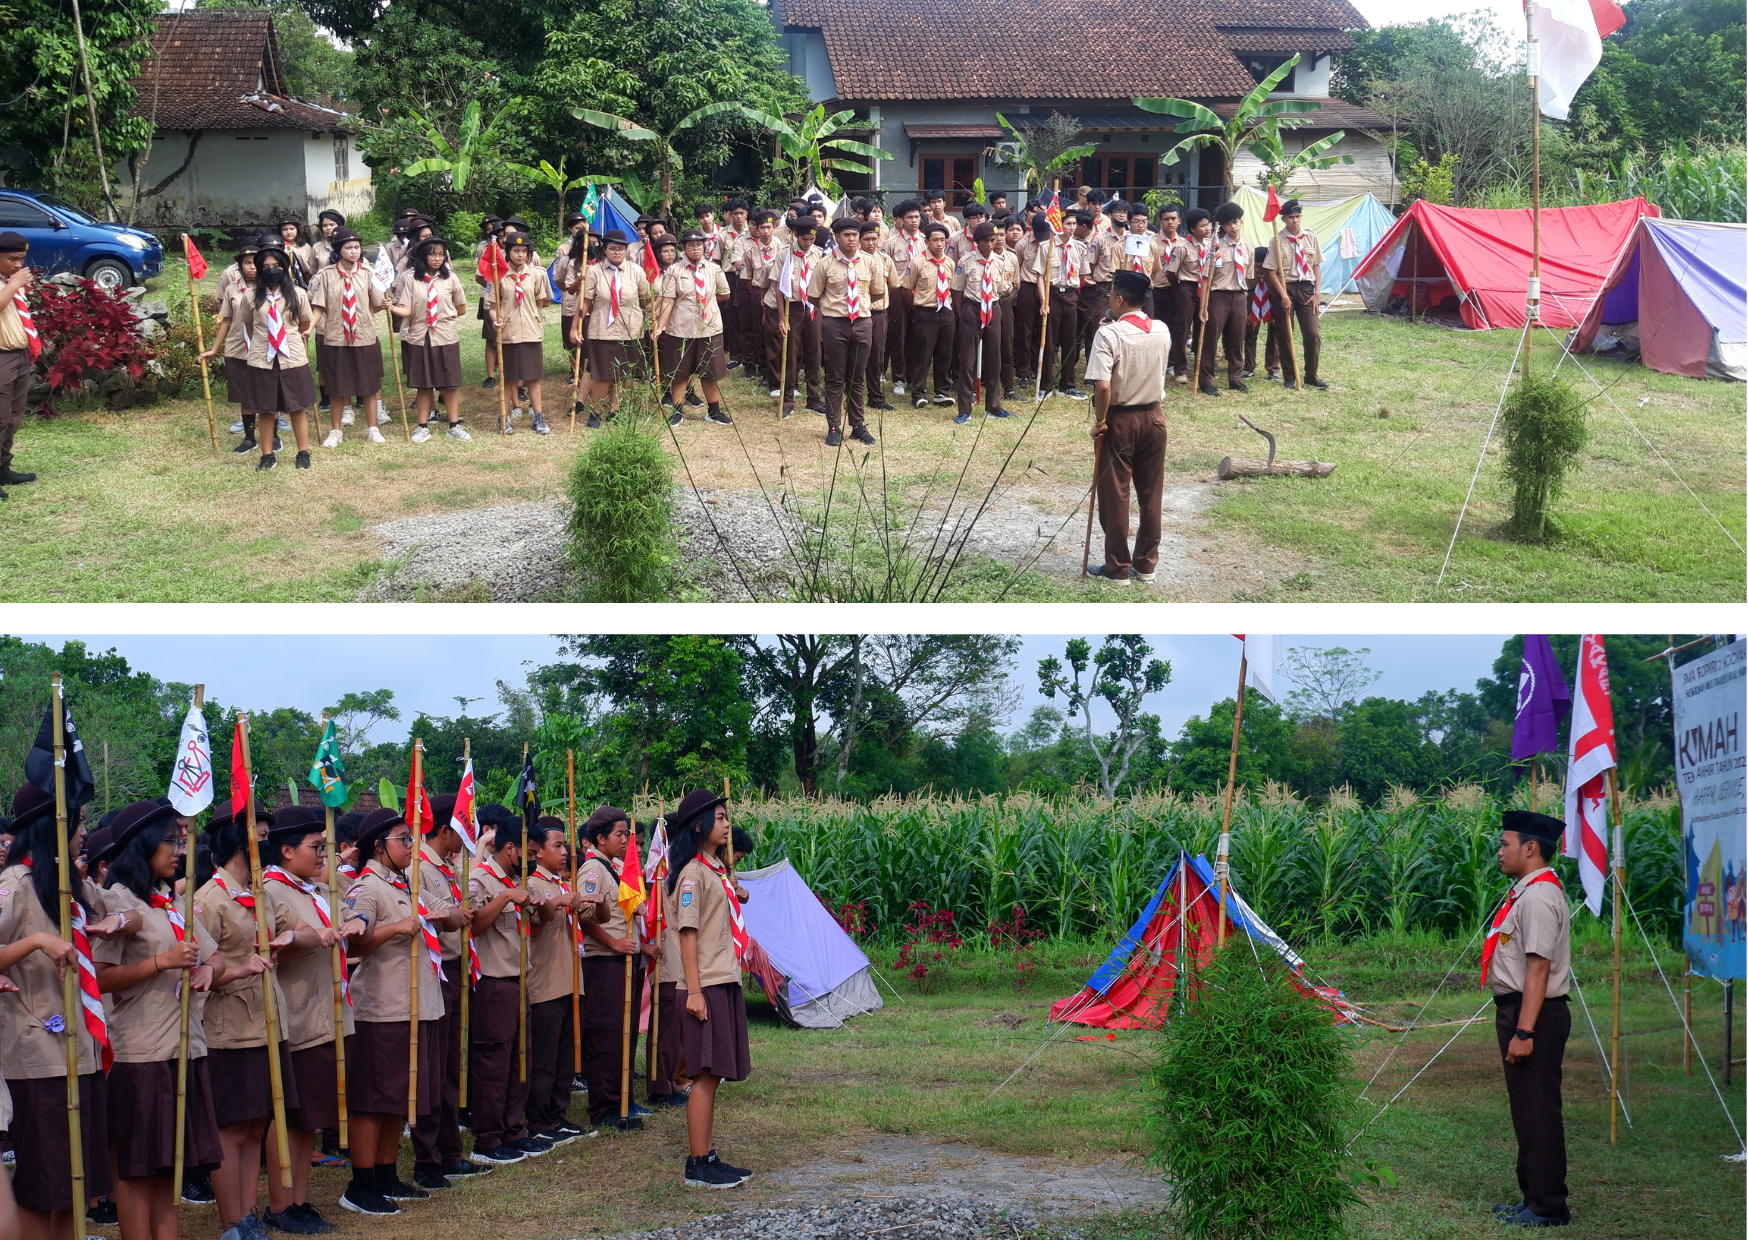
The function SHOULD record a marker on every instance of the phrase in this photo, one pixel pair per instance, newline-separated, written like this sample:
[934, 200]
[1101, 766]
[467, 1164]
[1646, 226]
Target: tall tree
[1123, 677]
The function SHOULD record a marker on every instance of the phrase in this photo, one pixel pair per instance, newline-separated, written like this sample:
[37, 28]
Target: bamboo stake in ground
[70, 1009]
[337, 965]
[269, 1007]
[1619, 870]
[177, 1161]
[205, 386]
[414, 817]
[523, 915]
[576, 919]
[1225, 850]
[466, 928]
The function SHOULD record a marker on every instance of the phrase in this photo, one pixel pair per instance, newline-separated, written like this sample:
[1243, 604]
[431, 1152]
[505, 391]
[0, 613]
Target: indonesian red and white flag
[1566, 47]
[461, 818]
[1592, 755]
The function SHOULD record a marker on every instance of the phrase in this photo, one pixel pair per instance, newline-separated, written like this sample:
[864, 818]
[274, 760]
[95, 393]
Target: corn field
[1083, 869]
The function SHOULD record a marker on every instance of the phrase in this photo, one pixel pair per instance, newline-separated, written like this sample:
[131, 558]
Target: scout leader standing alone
[1127, 367]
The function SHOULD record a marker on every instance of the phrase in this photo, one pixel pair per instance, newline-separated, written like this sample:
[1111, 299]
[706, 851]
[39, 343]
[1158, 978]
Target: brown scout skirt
[352, 370]
[278, 389]
[142, 1119]
[522, 363]
[43, 1178]
[376, 1068]
[318, 1090]
[718, 1045]
[431, 366]
[237, 383]
[242, 1085]
[685, 356]
[615, 361]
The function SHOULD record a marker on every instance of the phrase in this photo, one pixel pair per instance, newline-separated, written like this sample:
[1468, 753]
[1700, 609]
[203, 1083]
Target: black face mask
[272, 277]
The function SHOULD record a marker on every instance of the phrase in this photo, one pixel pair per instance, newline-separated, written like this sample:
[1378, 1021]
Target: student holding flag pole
[196, 271]
[610, 966]
[466, 822]
[191, 791]
[551, 970]
[576, 946]
[497, 1092]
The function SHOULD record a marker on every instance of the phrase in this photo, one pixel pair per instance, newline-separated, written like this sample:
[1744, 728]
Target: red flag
[417, 795]
[492, 266]
[651, 268]
[196, 263]
[462, 817]
[1053, 211]
[1593, 753]
[631, 891]
[239, 774]
[1273, 209]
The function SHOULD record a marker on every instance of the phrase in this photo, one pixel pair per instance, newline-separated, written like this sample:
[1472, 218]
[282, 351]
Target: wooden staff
[269, 1006]
[70, 1002]
[1226, 815]
[1044, 314]
[522, 914]
[413, 819]
[625, 1028]
[655, 990]
[394, 361]
[1206, 270]
[187, 992]
[1620, 888]
[466, 928]
[576, 372]
[337, 962]
[503, 399]
[570, 778]
[205, 382]
[783, 363]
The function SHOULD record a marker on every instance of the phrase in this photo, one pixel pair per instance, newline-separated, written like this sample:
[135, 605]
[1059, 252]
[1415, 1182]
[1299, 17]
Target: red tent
[1132, 989]
[1481, 260]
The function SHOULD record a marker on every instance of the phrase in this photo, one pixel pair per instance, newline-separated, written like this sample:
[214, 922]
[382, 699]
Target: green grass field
[135, 506]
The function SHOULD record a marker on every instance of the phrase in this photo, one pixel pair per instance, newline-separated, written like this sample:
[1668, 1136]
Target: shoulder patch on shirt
[688, 884]
[686, 899]
[590, 885]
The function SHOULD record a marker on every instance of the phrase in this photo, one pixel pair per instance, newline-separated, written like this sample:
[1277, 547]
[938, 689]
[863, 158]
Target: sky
[1507, 13]
[428, 671]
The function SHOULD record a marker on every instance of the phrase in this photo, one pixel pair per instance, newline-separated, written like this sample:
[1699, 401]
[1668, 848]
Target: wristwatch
[1527, 1035]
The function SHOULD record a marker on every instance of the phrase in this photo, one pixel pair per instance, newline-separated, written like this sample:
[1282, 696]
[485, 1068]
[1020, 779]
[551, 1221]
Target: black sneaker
[312, 1219]
[1321, 386]
[490, 383]
[366, 1201]
[325, 407]
[674, 418]
[1249, 374]
[1208, 389]
[398, 1190]
[1291, 385]
[557, 1136]
[692, 400]
[531, 1145]
[579, 1084]
[998, 413]
[742, 1172]
[659, 1101]
[266, 462]
[497, 1156]
[833, 439]
[521, 393]
[885, 406]
[103, 1214]
[288, 1221]
[303, 460]
[278, 443]
[461, 1167]
[571, 1130]
[1527, 1217]
[248, 445]
[920, 403]
[198, 1191]
[718, 417]
[1240, 386]
[708, 1173]
[430, 1178]
[594, 422]
[863, 435]
[630, 1123]
[813, 406]
[1503, 1209]
[1075, 393]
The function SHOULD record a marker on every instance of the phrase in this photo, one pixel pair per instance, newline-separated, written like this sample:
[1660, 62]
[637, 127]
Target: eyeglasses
[320, 849]
[399, 839]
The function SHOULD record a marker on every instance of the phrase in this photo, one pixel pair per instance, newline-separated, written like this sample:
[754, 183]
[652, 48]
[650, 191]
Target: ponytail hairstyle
[226, 839]
[36, 843]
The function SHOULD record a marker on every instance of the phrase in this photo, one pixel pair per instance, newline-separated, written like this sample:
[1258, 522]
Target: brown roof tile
[1334, 114]
[1279, 39]
[221, 69]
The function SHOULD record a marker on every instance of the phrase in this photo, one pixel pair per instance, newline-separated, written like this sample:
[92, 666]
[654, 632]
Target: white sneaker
[775, 393]
[374, 436]
[333, 439]
[898, 389]
[422, 435]
[381, 413]
[284, 425]
[237, 427]
[458, 431]
[346, 415]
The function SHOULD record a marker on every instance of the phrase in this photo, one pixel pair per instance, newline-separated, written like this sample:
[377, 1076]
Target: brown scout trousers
[14, 398]
[551, 1054]
[603, 1030]
[437, 1136]
[898, 335]
[971, 333]
[1133, 454]
[496, 1094]
[1061, 332]
[1227, 316]
[667, 1043]
[875, 366]
[1182, 302]
[1533, 1087]
[803, 351]
[844, 346]
[931, 345]
[1307, 331]
[1026, 326]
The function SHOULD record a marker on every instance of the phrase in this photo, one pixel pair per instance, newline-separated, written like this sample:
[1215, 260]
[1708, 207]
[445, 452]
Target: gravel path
[905, 1219]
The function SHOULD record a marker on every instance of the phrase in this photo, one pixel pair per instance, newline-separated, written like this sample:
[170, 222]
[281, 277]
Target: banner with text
[1711, 694]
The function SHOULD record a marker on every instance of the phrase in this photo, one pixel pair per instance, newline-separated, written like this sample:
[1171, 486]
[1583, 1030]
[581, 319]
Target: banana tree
[669, 164]
[1278, 167]
[1258, 121]
[811, 152]
[1050, 148]
[546, 174]
[473, 147]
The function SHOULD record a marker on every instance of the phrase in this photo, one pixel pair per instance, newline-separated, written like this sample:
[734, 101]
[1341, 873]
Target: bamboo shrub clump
[622, 515]
[1545, 431]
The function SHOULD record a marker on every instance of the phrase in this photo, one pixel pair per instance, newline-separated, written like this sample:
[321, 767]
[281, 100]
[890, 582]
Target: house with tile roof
[930, 81]
[230, 146]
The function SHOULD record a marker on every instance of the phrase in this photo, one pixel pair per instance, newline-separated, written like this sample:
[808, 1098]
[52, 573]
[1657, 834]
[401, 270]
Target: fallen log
[1243, 467]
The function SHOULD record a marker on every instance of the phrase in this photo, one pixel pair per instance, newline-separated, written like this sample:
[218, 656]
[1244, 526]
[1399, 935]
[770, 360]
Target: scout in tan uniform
[143, 974]
[376, 1051]
[792, 340]
[496, 1093]
[552, 951]
[616, 294]
[514, 304]
[1127, 370]
[236, 300]
[1009, 233]
[705, 905]
[1258, 309]
[606, 944]
[885, 279]
[1227, 271]
[302, 256]
[1195, 255]
[1295, 281]
[346, 303]
[840, 285]
[935, 208]
[689, 299]
[296, 883]
[1059, 299]
[752, 256]
[324, 252]
[438, 1155]
[932, 319]
[279, 379]
[961, 243]
[977, 295]
[1527, 964]
[236, 1022]
[568, 263]
[431, 300]
[1168, 305]
[1104, 259]
[904, 245]
[490, 227]
[725, 253]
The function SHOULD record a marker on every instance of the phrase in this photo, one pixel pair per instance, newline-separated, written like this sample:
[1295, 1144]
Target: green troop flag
[591, 206]
[328, 772]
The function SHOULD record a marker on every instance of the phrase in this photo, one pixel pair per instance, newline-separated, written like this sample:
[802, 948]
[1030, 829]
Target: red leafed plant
[85, 329]
[929, 936]
[853, 917]
[1014, 933]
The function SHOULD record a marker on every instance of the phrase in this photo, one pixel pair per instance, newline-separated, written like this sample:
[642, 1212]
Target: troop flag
[527, 793]
[1543, 701]
[461, 818]
[382, 275]
[191, 778]
[241, 783]
[591, 206]
[492, 266]
[1273, 210]
[631, 892]
[419, 805]
[1262, 658]
[1053, 211]
[1567, 46]
[655, 917]
[1592, 756]
[651, 268]
[328, 772]
[196, 260]
[39, 764]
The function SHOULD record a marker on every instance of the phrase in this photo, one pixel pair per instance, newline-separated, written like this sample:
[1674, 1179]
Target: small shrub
[1014, 934]
[929, 937]
[622, 519]
[1544, 433]
[1437, 183]
[1247, 1110]
[853, 917]
[86, 333]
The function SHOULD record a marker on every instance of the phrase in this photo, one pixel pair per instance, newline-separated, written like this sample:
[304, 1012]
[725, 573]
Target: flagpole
[205, 378]
[269, 1005]
[1225, 850]
[1044, 313]
[183, 1001]
[1620, 883]
[415, 805]
[70, 1005]
[1532, 305]
[498, 296]
[394, 361]
[655, 989]
[625, 1028]
[783, 363]
[466, 925]
[337, 959]
[524, 912]
[1204, 270]
[570, 779]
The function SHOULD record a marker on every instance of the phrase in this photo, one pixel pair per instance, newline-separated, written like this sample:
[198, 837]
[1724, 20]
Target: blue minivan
[64, 238]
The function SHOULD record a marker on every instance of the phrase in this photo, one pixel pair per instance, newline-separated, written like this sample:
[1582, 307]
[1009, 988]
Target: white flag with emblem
[191, 782]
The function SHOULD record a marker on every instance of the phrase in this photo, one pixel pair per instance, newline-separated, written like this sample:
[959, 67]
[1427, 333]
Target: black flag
[527, 797]
[39, 764]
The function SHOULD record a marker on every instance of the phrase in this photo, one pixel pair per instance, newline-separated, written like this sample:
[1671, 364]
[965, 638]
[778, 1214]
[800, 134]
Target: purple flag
[1543, 701]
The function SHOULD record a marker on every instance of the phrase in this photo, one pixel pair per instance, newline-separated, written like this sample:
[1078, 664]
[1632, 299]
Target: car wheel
[110, 274]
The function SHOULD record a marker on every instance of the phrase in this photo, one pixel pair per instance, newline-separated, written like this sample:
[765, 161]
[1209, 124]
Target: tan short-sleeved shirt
[568, 272]
[238, 309]
[230, 280]
[451, 307]
[829, 283]
[1231, 266]
[1187, 260]
[750, 258]
[552, 946]
[1539, 924]
[634, 295]
[1008, 270]
[500, 952]
[903, 249]
[694, 314]
[28, 1050]
[1133, 251]
[1068, 262]
[800, 263]
[1107, 257]
[294, 316]
[931, 282]
[236, 1016]
[1292, 247]
[595, 881]
[522, 323]
[954, 224]
[1133, 359]
[968, 276]
[381, 984]
[328, 293]
[145, 1025]
[442, 892]
[1165, 254]
[699, 903]
[305, 977]
[885, 277]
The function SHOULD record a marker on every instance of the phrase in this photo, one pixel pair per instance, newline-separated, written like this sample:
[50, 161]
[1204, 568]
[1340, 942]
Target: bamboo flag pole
[394, 361]
[655, 992]
[498, 304]
[1220, 862]
[523, 913]
[70, 1013]
[269, 1005]
[466, 925]
[337, 961]
[414, 816]
[1204, 269]
[783, 363]
[187, 993]
[1044, 316]
[625, 1026]
[1533, 301]
[1620, 883]
[570, 780]
[200, 352]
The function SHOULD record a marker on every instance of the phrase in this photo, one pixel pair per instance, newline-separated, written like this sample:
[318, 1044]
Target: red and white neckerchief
[277, 874]
[1138, 261]
[913, 242]
[521, 921]
[1259, 303]
[244, 898]
[519, 278]
[1240, 255]
[557, 880]
[986, 293]
[348, 305]
[34, 341]
[737, 922]
[699, 286]
[1136, 319]
[90, 998]
[1301, 264]
[943, 285]
[1203, 249]
[1492, 941]
[433, 946]
[432, 300]
[178, 927]
[852, 289]
[612, 294]
[474, 971]
[347, 871]
[805, 261]
[275, 325]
